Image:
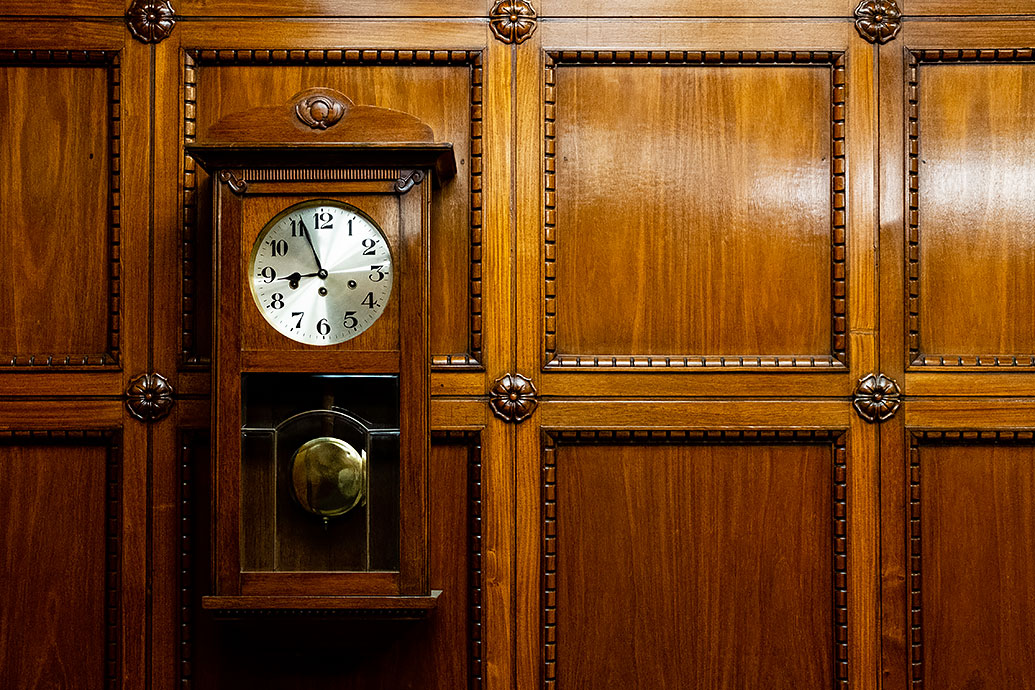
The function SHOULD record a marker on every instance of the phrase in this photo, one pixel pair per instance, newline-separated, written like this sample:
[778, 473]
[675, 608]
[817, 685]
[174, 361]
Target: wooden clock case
[320, 146]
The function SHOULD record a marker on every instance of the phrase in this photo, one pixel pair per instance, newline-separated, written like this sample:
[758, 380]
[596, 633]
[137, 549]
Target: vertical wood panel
[59, 593]
[669, 245]
[972, 232]
[972, 548]
[59, 200]
[694, 565]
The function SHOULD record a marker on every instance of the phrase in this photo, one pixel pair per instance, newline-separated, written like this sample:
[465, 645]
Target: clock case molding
[322, 145]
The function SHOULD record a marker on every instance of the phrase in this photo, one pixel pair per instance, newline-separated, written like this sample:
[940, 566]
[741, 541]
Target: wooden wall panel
[694, 209]
[59, 200]
[334, 8]
[59, 524]
[443, 652]
[971, 541]
[696, 560]
[971, 254]
[697, 8]
[443, 88]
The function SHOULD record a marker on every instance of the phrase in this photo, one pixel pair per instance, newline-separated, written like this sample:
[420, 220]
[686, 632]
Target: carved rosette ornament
[878, 20]
[876, 398]
[513, 398]
[151, 21]
[321, 108]
[149, 397]
[512, 21]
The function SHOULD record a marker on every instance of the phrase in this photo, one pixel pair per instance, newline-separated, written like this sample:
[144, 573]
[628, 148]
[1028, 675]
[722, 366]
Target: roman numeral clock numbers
[321, 272]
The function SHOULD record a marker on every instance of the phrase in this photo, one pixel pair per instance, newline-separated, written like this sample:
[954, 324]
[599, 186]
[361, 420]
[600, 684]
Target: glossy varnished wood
[975, 243]
[629, 253]
[57, 195]
[720, 562]
[972, 527]
[67, 577]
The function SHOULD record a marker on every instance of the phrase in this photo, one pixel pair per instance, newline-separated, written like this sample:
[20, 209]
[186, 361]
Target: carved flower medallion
[149, 397]
[512, 21]
[321, 108]
[151, 21]
[876, 398]
[878, 20]
[513, 398]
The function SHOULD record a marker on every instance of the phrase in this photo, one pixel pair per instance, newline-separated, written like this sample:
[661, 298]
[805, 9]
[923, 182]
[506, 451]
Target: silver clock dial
[321, 272]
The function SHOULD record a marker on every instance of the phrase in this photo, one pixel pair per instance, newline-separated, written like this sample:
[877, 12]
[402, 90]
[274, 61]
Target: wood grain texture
[332, 8]
[634, 276]
[699, 8]
[60, 597]
[443, 88]
[713, 565]
[442, 652]
[971, 248]
[971, 536]
[59, 197]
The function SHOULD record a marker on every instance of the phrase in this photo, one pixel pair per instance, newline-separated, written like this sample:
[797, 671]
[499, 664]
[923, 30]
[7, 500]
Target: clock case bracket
[321, 145]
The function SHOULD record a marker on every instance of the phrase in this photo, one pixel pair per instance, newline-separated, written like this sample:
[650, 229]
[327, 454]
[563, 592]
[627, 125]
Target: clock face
[321, 272]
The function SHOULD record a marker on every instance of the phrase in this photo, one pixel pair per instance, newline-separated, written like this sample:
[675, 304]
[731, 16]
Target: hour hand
[296, 276]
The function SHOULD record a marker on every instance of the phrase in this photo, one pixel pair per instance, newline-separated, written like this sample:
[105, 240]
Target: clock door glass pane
[284, 413]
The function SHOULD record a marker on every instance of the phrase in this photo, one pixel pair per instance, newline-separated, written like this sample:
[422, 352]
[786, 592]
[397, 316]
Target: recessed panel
[53, 515]
[442, 88]
[55, 199]
[972, 234]
[693, 566]
[974, 562]
[692, 214]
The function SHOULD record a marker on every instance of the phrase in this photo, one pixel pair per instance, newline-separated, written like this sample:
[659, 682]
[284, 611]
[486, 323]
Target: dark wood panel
[972, 578]
[971, 247]
[441, 652]
[695, 209]
[60, 597]
[59, 198]
[677, 560]
[443, 88]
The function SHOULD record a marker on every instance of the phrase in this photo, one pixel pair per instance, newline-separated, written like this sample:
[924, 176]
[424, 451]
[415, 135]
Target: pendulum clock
[321, 236]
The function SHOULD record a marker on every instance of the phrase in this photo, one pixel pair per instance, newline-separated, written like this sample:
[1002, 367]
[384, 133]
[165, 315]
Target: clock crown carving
[321, 108]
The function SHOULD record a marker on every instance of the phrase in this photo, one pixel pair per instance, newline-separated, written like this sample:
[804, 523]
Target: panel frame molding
[916, 359]
[837, 360]
[110, 61]
[193, 59]
[111, 440]
[916, 438]
[552, 439]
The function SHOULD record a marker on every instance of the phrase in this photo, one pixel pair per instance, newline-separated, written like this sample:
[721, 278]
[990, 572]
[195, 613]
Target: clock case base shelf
[380, 607]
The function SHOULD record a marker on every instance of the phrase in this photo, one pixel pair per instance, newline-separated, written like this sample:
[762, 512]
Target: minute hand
[319, 267]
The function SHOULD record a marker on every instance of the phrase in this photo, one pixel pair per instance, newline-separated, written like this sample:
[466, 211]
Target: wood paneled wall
[694, 229]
